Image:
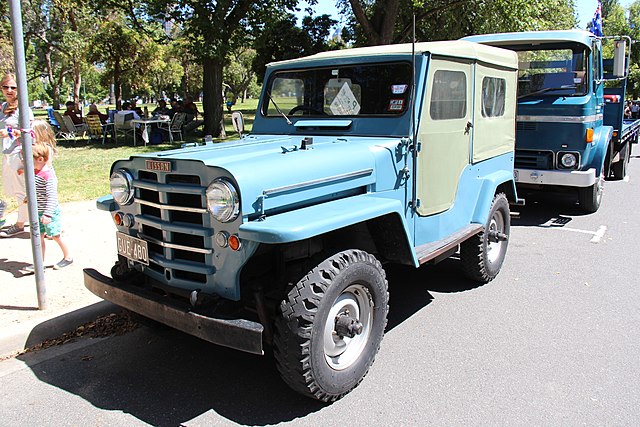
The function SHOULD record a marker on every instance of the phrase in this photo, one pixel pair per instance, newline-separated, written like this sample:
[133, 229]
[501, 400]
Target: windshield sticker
[345, 102]
[398, 89]
[396, 104]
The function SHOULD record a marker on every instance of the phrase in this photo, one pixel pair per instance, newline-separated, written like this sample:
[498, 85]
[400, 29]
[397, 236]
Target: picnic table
[145, 123]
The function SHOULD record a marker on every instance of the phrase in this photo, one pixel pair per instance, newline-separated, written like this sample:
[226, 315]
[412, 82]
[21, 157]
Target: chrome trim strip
[173, 245]
[169, 188]
[561, 119]
[171, 207]
[327, 180]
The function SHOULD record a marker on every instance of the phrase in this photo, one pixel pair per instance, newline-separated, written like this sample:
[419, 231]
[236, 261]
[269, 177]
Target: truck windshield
[346, 91]
[552, 72]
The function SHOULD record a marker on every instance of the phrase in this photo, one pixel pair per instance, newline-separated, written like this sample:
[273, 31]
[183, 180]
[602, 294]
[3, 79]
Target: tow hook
[347, 326]
[496, 236]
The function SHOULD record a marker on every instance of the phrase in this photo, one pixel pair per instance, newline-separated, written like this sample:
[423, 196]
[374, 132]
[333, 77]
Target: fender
[601, 138]
[490, 184]
[315, 220]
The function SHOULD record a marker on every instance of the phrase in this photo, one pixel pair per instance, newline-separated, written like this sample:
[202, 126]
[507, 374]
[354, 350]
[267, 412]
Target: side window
[493, 96]
[597, 72]
[448, 95]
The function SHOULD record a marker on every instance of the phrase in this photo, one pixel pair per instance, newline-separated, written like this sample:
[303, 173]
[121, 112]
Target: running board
[429, 251]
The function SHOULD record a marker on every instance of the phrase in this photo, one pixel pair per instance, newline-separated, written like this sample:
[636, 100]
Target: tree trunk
[77, 83]
[117, 71]
[212, 98]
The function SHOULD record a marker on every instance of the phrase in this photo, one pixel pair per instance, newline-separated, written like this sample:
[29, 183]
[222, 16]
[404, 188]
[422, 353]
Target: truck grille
[176, 225]
[526, 159]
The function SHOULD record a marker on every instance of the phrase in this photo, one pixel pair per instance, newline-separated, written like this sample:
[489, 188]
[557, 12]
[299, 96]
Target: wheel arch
[497, 182]
[602, 154]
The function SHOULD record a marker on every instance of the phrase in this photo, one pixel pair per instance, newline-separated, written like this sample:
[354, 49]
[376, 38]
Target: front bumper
[240, 334]
[563, 178]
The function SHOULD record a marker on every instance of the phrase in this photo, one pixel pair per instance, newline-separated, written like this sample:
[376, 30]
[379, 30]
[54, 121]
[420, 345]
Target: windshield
[345, 91]
[561, 71]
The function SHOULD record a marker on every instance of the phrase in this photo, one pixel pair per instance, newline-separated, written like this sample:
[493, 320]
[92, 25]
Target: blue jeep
[280, 238]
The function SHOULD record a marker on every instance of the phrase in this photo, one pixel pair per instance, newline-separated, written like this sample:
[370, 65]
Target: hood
[273, 172]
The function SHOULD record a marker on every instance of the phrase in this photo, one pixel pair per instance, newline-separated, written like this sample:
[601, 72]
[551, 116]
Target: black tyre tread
[619, 169]
[292, 337]
[588, 199]
[472, 251]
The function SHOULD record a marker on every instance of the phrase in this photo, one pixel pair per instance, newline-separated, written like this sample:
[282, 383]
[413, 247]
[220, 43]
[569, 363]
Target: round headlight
[223, 201]
[121, 183]
[569, 160]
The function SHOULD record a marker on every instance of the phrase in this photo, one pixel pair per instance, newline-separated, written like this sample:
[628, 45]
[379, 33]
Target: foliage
[238, 74]
[384, 22]
[310, 38]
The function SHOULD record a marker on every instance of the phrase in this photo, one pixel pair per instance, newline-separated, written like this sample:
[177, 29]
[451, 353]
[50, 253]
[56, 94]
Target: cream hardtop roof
[454, 48]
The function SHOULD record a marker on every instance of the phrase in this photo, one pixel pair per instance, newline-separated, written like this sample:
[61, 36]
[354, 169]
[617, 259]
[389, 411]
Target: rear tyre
[619, 169]
[331, 325]
[589, 198]
[483, 254]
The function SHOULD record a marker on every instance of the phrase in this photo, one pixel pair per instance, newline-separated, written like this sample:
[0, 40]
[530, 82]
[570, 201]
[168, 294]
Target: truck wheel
[619, 169]
[589, 198]
[483, 254]
[331, 325]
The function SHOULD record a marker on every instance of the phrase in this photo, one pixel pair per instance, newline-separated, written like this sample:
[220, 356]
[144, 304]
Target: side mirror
[619, 69]
[238, 122]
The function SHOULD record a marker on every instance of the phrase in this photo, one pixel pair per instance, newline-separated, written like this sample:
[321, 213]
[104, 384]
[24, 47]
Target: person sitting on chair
[93, 111]
[191, 121]
[73, 113]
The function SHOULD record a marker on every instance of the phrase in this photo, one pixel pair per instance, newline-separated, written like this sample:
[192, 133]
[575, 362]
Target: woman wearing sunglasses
[13, 183]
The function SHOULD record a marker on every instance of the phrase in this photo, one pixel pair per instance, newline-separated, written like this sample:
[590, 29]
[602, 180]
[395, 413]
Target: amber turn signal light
[589, 135]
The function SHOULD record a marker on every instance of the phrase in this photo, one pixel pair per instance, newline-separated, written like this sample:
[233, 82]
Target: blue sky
[584, 8]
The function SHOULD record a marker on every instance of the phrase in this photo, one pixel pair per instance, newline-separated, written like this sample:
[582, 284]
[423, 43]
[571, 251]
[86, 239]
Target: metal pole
[27, 152]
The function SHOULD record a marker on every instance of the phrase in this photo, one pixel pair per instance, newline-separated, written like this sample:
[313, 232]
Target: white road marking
[597, 235]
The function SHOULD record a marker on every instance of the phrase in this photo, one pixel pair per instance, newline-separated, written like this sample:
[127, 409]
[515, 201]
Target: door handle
[468, 128]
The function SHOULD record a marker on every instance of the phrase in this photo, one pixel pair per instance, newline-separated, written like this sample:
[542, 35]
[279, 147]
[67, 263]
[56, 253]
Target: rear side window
[493, 96]
[448, 95]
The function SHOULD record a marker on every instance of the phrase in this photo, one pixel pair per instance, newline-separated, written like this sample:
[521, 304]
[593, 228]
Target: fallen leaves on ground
[104, 326]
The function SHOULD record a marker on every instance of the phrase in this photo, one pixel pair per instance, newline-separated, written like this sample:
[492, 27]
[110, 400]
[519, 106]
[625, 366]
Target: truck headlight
[569, 160]
[222, 200]
[121, 183]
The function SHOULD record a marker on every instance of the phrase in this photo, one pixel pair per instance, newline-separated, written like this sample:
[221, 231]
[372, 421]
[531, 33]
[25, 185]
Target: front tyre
[331, 325]
[589, 198]
[483, 254]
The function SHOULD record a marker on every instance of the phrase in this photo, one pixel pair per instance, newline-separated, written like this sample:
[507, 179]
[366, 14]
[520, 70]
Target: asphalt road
[553, 340]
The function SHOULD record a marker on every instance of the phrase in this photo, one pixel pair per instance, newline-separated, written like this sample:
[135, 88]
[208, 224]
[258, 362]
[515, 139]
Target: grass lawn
[83, 168]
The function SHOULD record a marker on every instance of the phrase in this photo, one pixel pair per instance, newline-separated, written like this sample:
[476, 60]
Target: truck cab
[570, 131]
[357, 159]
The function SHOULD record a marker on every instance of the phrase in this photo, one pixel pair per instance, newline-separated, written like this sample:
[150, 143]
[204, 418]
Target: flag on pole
[596, 21]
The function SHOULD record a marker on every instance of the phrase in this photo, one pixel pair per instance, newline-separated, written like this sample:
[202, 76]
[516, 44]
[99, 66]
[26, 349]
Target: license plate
[132, 248]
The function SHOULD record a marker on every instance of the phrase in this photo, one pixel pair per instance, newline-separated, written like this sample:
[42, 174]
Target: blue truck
[357, 159]
[571, 131]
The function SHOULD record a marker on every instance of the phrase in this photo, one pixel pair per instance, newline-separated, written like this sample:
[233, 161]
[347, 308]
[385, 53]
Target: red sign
[155, 165]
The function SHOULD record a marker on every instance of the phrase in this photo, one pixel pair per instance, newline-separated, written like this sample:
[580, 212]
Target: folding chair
[52, 119]
[64, 132]
[122, 123]
[96, 129]
[176, 125]
[76, 130]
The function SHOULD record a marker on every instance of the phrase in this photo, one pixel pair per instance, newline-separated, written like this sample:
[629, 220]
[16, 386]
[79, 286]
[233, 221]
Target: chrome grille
[174, 221]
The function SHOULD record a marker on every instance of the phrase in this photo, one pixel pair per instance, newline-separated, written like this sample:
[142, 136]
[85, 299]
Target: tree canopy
[205, 49]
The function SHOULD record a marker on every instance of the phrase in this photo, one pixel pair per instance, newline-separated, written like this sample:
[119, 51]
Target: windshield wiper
[278, 109]
[547, 89]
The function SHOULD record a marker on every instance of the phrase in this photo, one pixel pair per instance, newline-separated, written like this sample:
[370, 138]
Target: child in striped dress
[47, 193]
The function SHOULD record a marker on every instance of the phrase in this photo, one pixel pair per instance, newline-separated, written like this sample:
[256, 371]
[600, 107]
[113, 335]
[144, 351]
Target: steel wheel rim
[342, 352]
[600, 188]
[496, 226]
